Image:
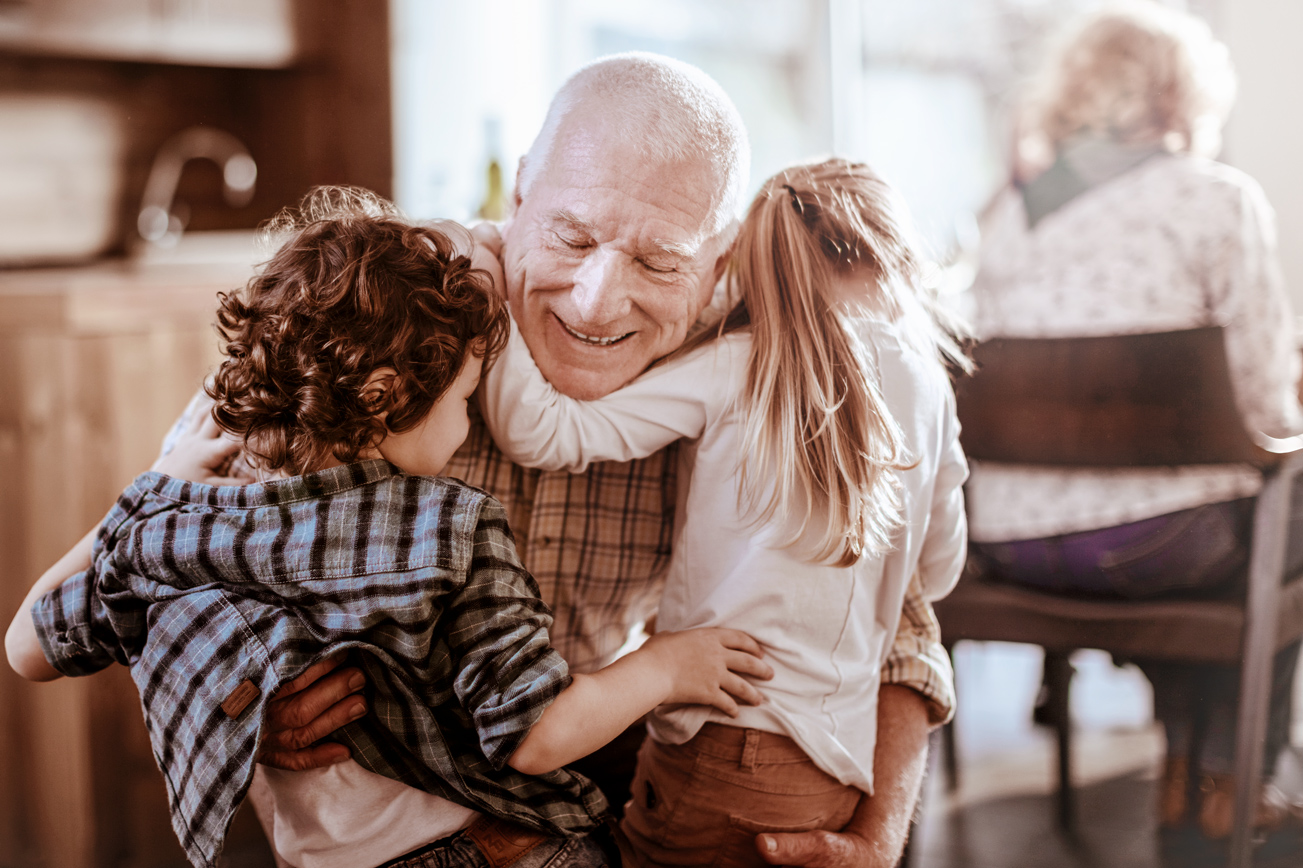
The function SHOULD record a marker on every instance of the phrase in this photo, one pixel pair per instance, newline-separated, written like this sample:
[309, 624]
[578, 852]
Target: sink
[237, 247]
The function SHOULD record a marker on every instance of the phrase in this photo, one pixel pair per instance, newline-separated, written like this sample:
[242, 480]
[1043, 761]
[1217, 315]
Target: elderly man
[623, 216]
[620, 232]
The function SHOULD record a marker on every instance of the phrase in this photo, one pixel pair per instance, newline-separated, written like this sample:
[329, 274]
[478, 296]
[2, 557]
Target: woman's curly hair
[354, 288]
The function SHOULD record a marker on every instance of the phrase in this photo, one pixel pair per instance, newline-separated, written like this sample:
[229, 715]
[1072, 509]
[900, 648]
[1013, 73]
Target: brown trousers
[703, 802]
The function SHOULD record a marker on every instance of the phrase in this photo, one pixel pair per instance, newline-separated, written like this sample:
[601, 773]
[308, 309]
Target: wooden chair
[1133, 401]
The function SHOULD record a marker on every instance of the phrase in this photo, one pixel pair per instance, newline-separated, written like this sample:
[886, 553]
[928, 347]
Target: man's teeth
[589, 339]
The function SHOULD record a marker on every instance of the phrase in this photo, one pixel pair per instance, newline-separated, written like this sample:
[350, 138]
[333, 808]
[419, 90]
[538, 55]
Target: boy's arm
[21, 644]
[537, 426]
[527, 709]
[700, 667]
[198, 451]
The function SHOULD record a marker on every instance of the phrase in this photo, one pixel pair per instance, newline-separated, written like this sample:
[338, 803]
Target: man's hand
[818, 850]
[877, 833]
[203, 452]
[308, 709]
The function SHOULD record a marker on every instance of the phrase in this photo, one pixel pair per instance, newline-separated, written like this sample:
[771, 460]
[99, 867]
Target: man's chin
[585, 384]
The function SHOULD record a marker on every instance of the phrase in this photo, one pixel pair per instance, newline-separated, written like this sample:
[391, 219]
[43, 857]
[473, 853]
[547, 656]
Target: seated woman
[1133, 228]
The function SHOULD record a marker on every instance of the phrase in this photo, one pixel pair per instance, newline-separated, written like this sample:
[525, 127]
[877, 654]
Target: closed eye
[573, 242]
[658, 267]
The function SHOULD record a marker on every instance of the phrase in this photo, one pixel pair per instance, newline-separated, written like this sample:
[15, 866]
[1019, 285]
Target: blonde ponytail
[820, 449]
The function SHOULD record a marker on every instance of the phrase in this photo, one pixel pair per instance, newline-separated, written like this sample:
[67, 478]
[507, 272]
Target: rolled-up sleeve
[73, 628]
[507, 671]
[917, 658]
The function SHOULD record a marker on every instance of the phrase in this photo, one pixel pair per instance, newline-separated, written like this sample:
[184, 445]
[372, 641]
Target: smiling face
[426, 448]
[609, 258]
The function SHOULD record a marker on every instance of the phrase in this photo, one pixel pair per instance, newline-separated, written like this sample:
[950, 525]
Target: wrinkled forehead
[607, 182]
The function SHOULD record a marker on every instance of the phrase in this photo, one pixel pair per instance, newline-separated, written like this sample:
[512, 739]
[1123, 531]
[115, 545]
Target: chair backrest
[1155, 399]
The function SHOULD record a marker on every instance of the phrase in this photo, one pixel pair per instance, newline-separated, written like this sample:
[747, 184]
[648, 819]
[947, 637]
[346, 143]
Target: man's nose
[600, 294]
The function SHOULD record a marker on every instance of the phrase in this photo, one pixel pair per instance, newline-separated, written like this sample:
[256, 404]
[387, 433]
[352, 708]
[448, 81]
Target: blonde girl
[822, 472]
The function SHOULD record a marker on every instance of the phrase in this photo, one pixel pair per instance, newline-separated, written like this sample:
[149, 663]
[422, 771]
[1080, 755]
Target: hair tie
[797, 204]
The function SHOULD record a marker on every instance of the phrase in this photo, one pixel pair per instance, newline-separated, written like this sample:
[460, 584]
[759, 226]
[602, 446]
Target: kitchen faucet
[156, 222]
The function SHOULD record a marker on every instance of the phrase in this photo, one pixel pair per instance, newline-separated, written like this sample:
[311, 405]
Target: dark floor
[1003, 814]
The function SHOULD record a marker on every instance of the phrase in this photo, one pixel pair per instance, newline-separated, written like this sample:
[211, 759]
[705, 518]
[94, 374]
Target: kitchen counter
[175, 285]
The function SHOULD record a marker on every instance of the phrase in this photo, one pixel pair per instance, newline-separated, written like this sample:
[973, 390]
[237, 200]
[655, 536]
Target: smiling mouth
[590, 339]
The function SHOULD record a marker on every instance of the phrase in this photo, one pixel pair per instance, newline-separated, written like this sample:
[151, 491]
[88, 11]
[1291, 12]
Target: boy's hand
[203, 452]
[706, 666]
[699, 667]
[308, 709]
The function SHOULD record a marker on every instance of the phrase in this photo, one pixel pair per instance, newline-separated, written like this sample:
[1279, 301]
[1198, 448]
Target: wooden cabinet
[95, 364]
[248, 33]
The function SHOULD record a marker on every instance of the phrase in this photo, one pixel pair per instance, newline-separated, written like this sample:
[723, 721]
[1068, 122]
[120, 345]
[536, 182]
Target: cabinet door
[90, 379]
[255, 33]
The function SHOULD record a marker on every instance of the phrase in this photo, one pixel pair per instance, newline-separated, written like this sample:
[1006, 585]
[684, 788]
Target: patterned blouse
[1177, 242]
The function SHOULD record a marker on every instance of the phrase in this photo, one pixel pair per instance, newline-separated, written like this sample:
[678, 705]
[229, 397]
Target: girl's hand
[706, 667]
[487, 234]
[488, 253]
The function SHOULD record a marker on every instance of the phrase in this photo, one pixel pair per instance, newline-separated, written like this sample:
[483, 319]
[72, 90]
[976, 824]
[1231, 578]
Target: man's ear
[721, 263]
[377, 389]
[515, 190]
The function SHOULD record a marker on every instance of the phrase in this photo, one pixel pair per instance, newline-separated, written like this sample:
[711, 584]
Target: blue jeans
[459, 851]
[1194, 553]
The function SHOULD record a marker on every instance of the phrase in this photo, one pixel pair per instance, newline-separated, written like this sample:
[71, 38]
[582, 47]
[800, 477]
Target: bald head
[670, 112]
[623, 213]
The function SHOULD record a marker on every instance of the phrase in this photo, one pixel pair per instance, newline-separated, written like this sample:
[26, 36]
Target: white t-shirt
[343, 816]
[1178, 242]
[825, 630]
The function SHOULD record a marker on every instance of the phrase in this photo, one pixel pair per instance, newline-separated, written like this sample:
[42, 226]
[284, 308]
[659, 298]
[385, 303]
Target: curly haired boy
[350, 363]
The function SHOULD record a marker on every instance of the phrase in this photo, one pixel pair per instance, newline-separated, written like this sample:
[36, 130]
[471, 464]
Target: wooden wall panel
[85, 398]
[15, 816]
[88, 387]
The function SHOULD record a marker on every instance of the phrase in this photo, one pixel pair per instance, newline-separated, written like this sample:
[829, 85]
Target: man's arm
[876, 835]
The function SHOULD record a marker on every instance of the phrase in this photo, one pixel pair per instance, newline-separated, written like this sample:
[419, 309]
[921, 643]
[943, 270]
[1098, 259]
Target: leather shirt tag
[240, 698]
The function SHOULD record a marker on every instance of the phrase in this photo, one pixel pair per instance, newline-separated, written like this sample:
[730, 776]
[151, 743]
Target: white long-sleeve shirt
[1175, 243]
[825, 630]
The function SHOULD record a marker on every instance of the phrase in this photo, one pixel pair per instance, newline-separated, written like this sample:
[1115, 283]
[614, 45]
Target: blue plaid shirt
[215, 597]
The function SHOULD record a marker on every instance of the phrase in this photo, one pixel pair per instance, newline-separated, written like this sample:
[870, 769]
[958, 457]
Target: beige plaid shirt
[598, 543]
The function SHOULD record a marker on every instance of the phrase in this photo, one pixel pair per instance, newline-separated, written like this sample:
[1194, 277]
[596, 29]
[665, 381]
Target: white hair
[1139, 72]
[671, 111]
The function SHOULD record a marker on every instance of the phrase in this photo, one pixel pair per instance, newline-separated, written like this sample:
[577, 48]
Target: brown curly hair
[354, 288]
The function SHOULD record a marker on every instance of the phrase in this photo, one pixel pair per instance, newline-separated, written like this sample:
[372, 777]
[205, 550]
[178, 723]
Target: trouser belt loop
[749, 749]
[501, 842]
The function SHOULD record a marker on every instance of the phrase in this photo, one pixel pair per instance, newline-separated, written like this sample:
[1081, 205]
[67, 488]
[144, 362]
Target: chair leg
[1266, 566]
[949, 752]
[1058, 677]
[949, 756]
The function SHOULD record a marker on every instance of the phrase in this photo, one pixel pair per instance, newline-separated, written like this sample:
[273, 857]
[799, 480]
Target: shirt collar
[308, 486]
